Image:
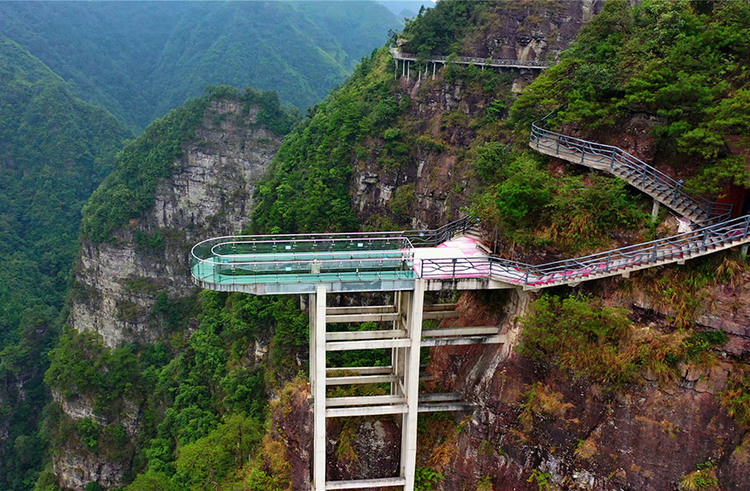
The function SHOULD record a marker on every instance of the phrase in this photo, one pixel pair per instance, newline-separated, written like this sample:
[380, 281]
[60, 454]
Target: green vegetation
[202, 400]
[602, 345]
[704, 478]
[681, 62]
[54, 150]
[439, 30]
[530, 205]
[307, 186]
[141, 60]
[736, 398]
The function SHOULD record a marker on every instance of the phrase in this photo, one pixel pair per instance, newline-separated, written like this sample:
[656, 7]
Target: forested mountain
[637, 382]
[76, 80]
[140, 59]
[54, 151]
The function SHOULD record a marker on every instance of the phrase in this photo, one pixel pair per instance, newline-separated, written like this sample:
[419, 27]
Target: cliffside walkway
[393, 261]
[661, 187]
[404, 62]
[409, 263]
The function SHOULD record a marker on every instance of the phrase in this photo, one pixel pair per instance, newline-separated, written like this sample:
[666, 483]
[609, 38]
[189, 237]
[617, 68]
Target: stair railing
[636, 172]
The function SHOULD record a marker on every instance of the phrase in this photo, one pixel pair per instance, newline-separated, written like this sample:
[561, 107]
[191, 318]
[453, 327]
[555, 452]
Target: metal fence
[466, 60]
[638, 173]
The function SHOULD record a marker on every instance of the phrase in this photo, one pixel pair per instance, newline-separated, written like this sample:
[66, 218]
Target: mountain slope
[140, 59]
[56, 149]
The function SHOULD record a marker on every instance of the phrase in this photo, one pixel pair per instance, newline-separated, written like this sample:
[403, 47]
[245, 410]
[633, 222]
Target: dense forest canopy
[141, 59]
[202, 392]
[54, 150]
[76, 81]
[684, 63]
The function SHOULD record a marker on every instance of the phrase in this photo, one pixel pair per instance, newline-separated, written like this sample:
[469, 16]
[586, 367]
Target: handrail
[287, 242]
[636, 172]
[465, 60]
[676, 247]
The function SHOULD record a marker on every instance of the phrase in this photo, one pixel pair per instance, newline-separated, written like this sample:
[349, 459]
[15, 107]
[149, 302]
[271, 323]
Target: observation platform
[361, 262]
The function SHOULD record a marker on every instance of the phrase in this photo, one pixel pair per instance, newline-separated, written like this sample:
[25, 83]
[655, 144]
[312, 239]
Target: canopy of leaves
[140, 60]
[307, 187]
[439, 30]
[54, 150]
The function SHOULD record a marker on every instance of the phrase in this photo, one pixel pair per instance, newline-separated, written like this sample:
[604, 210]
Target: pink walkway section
[438, 262]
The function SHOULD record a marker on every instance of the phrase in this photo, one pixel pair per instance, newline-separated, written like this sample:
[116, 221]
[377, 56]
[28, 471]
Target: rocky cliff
[126, 286]
[209, 194]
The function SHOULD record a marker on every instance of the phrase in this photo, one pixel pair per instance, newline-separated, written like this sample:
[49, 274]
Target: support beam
[360, 379]
[460, 331]
[318, 333]
[387, 482]
[363, 401]
[371, 344]
[433, 407]
[411, 386]
[441, 397]
[365, 335]
[359, 370]
[345, 412]
[442, 314]
[655, 210]
[435, 307]
[364, 317]
[465, 341]
[369, 309]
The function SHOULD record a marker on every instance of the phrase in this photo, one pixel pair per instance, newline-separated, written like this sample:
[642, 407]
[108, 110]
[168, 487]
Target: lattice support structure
[405, 338]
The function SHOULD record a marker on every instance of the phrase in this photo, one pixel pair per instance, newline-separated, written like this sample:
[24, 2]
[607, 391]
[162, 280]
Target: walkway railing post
[606, 267]
[747, 224]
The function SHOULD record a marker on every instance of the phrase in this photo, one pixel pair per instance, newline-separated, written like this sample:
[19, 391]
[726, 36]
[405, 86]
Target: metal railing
[310, 257]
[636, 172]
[432, 238]
[670, 249]
[466, 60]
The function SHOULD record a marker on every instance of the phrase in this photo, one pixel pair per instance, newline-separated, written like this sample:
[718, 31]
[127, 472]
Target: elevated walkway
[410, 263]
[405, 62]
[640, 175]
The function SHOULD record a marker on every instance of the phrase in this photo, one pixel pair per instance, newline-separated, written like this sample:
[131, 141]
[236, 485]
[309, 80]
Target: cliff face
[576, 434]
[209, 194]
[529, 30]
[122, 285]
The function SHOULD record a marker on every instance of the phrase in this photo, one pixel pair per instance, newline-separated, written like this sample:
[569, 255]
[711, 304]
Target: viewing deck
[392, 261]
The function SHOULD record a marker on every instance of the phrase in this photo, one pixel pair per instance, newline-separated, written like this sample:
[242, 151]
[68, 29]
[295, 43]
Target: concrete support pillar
[411, 385]
[434, 65]
[318, 376]
[743, 249]
[408, 69]
[655, 210]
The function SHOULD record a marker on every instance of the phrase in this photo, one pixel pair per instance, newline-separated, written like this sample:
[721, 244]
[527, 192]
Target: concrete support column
[397, 368]
[655, 210]
[411, 385]
[318, 378]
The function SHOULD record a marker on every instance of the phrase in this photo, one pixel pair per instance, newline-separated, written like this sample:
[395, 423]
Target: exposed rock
[117, 284]
[210, 193]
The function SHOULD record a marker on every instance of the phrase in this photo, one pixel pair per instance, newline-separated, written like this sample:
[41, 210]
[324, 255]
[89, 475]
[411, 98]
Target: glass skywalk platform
[294, 264]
